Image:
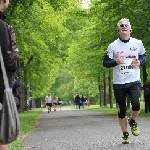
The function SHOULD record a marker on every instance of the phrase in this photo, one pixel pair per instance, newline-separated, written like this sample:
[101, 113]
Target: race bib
[126, 68]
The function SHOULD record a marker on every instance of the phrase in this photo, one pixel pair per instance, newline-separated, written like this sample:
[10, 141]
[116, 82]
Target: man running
[126, 55]
[48, 100]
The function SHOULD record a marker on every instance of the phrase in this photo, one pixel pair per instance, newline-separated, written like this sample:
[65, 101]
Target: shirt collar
[125, 41]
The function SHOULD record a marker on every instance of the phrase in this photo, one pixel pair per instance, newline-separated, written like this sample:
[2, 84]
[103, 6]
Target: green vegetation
[27, 124]
[113, 110]
[62, 45]
[109, 110]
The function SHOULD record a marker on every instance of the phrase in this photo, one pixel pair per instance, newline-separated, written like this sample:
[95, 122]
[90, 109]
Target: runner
[48, 101]
[55, 100]
[125, 55]
[59, 103]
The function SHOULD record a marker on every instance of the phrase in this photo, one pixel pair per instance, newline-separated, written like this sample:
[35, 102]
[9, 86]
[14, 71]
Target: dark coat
[77, 99]
[6, 48]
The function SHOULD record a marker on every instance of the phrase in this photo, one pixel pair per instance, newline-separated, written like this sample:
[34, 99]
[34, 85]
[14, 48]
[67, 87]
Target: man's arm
[142, 59]
[5, 46]
[108, 62]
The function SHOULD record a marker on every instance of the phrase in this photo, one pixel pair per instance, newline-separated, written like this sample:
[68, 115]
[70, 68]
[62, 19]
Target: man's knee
[122, 112]
[136, 106]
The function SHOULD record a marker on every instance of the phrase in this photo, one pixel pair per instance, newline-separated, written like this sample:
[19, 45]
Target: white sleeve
[142, 49]
[110, 51]
[46, 98]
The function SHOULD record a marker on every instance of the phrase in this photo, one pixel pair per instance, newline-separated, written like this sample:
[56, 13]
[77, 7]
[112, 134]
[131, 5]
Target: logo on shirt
[119, 53]
[131, 56]
[133, 49]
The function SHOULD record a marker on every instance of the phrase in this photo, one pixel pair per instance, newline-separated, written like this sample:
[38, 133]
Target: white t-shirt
[125, 73]
[48, 99]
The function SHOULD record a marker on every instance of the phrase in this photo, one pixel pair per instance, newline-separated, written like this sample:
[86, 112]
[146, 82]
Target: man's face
[124, 28]
[6, 3]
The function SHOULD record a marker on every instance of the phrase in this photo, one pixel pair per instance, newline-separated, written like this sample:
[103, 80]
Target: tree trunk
[145, 74]
[22, 93]
[99, 89]
[104, 79]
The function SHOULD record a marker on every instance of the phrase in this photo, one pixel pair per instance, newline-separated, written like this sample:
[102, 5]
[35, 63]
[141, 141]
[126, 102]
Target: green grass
[27, 124]
[113, 110]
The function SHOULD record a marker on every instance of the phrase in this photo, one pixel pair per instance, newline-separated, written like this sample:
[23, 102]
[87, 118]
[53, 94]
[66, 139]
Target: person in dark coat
[77, 100]
[7, 52]
[146, 88]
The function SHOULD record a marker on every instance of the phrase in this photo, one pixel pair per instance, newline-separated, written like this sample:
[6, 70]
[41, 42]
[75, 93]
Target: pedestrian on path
[77, 101]
[55, 101]
[126, 55]
[59, 102]
[146, 88]
[30, 102]
[48, 101]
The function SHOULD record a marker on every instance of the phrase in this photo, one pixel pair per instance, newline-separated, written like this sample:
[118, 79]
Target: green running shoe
[134, 128]
[126, 139]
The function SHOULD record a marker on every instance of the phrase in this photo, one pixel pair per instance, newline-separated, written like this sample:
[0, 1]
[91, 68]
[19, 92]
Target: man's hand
[119, 60]
[135, 63]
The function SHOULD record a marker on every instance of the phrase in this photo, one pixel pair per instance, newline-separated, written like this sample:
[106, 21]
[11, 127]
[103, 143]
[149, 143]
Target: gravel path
[83, 130]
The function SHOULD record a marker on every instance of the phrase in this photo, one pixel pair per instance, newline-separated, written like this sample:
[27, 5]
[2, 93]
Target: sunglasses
[124, 25]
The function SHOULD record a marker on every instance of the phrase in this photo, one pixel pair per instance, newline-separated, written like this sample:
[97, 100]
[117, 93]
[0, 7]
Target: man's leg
[54, 106]
[134, 94]
[134, 114]
[120, 95]
[48, 107]
[123, 123]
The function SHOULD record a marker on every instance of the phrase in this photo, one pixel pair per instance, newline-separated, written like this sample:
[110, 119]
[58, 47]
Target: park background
[62, 44]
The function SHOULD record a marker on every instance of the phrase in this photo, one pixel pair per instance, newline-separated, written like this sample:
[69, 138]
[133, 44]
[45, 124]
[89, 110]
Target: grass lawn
[113, 110]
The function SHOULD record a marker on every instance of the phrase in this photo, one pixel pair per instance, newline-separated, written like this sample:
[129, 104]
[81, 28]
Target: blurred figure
[88, 103]
[77, 100]
[82, 101]
[48, 101]
[55, 99]
[146, 88]
[85, 99]
[15, 86]
[59, 102]
[30, 101]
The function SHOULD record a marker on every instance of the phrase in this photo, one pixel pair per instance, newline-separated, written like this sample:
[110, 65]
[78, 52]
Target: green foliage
[52, 34]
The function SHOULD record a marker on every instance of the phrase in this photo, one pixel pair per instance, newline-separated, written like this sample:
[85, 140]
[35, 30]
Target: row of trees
[62, 44]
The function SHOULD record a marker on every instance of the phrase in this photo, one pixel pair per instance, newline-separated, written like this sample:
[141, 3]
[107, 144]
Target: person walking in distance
[146, 88]
[8, 55]
[30, 102]
[77, 100]
[126, 55]
[59, 102]
[55, 100]
[48, 101]
[82, 101]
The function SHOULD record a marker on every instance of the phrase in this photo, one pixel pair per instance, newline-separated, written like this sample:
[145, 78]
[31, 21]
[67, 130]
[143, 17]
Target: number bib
[126, 68]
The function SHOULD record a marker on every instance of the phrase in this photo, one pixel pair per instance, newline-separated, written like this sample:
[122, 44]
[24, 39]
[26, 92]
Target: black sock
[125, 133]
[131, 121]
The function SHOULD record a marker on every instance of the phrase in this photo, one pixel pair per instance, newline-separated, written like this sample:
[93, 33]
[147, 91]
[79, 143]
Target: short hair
[123, 19]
